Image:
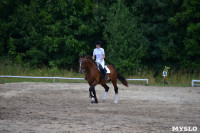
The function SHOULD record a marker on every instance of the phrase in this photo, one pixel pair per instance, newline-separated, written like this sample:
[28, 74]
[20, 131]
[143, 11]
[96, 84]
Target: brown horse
[94, 77]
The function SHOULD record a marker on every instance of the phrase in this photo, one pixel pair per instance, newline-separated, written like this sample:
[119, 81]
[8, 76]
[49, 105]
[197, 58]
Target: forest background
[139, 36]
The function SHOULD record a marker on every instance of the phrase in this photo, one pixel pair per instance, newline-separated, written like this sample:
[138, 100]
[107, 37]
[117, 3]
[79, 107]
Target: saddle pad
[107, 69]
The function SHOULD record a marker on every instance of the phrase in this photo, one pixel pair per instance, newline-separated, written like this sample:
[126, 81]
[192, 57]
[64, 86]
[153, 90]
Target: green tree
[186, 22]
[126, 45]
[135, 33]
[49, 32]
[154, 16]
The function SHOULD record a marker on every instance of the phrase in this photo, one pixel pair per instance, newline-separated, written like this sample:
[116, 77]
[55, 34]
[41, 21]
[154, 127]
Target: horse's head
[82, 64]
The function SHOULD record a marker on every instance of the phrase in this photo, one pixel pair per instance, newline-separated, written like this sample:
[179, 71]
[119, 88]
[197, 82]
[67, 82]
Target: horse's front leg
[95, 97]
[92, 91]
[90, 95]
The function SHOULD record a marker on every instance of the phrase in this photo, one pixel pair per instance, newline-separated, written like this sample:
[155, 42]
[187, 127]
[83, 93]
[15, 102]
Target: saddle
[106, 67]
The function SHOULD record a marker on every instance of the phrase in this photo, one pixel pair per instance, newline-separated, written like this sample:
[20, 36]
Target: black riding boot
[104, 73]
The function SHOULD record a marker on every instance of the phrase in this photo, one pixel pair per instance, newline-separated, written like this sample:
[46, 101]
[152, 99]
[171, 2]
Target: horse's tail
[122, 79]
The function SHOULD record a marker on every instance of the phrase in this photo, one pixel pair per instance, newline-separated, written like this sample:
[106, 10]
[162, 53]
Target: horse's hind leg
[116, 91]
[106, 91]
[116, 95]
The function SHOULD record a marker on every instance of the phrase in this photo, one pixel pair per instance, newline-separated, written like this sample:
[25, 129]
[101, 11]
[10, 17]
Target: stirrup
[106, 77]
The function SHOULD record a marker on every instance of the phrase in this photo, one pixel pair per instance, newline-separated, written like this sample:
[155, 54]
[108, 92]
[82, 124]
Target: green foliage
[126, 45]
[136, 34]
[52, 31]
[188, 21]
[154, 15]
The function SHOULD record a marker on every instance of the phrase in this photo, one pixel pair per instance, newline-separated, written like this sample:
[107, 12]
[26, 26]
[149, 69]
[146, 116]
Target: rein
[83, 61]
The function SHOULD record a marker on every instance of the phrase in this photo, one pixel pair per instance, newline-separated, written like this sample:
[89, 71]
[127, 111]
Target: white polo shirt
[99, 52]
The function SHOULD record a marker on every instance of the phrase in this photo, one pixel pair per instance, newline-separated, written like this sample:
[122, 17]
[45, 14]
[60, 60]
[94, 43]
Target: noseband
[84, 62]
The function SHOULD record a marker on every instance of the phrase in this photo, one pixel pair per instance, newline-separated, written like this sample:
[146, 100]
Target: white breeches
[102, 63]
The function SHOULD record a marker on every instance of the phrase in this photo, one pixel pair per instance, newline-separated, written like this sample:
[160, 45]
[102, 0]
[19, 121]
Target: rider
[100, 55]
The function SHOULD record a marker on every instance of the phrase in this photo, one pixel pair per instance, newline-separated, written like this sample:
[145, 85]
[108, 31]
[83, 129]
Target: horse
[94, 77]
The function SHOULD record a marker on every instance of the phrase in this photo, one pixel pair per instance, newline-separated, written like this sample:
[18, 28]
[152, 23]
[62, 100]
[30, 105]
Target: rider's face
[97, 46]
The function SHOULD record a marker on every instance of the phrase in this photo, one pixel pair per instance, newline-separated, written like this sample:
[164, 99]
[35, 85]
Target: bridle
[82, 61]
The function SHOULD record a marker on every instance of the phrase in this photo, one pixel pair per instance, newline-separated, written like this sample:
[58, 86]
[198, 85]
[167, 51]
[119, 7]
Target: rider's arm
[93, 57]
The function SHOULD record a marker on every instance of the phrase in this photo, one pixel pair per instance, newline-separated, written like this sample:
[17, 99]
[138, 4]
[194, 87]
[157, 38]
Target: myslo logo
[184, 129]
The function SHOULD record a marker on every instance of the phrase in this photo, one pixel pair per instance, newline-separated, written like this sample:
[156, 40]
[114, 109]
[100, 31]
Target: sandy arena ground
[66, 108]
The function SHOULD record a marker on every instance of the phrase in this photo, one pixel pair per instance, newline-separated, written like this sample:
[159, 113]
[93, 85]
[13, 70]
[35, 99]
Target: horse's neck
[91, 66]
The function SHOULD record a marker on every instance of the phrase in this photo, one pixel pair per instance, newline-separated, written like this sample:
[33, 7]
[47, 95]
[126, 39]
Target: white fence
[147, 80]
[54, 78]
[193, 81]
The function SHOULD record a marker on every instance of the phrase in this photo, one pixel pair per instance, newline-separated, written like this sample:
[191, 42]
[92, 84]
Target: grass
[11, 80]
[179, 78]
[18, 70]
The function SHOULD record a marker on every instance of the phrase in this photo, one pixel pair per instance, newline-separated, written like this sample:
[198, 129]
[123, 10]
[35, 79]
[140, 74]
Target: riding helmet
[98, 43]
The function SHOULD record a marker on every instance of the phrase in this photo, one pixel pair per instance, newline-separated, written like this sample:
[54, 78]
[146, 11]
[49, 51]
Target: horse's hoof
[94, 102]
[103, 100]
[104, 96]
[92, 99]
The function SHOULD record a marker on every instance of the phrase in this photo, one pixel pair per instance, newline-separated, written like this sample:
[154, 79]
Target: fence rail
[193, 81]
[147, 80]
[54, 78]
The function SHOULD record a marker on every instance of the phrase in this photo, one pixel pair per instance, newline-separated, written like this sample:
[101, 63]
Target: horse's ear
[81, 56]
